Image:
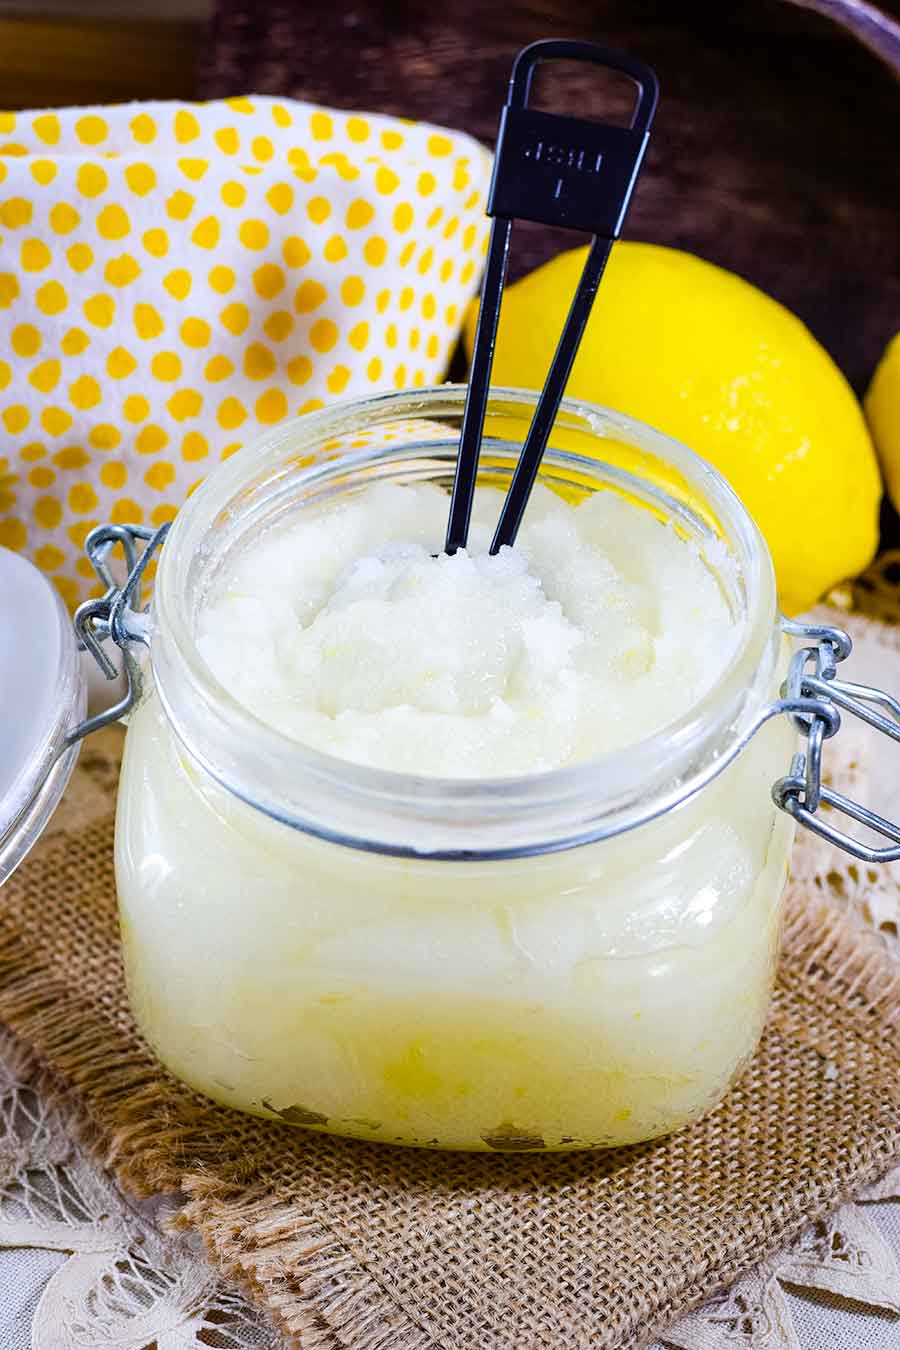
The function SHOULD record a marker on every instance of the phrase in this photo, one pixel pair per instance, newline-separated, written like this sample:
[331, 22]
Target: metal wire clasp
[114, 615]
[813, 676]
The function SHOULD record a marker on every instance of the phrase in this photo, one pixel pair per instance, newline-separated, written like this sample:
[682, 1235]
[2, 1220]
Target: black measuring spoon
[555, 170]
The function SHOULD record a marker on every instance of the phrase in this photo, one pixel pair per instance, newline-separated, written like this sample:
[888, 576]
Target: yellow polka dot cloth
[176, 277]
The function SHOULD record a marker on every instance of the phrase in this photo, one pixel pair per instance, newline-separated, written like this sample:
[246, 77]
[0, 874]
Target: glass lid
[42, 694]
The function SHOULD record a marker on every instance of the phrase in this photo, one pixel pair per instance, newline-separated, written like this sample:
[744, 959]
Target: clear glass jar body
[571, 960]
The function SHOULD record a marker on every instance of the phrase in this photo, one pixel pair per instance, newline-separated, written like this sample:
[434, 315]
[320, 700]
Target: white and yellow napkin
[174, 278]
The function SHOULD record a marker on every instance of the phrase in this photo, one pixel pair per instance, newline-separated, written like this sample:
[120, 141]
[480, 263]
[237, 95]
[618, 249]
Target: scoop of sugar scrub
[342, 630]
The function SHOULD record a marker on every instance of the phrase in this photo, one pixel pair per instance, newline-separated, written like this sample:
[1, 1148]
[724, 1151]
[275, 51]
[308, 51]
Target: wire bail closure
[813, 676]
[114, 615]
[555, 170]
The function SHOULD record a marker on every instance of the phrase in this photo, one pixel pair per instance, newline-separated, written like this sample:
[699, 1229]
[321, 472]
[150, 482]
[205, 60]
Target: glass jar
[571, 959]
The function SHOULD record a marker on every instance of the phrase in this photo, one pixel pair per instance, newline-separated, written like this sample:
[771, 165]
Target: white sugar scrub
[547, 928]
[341, 629]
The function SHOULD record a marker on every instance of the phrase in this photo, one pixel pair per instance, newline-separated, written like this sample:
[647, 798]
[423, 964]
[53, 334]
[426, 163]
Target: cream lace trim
[126, 1283]
[846, 1256]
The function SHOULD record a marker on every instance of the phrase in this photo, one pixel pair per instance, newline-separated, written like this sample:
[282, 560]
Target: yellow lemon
[883, 412]
[707, 358]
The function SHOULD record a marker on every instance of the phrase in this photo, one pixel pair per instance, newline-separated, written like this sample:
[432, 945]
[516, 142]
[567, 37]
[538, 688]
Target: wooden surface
[870, 24]
[775, 151]
[52, 61]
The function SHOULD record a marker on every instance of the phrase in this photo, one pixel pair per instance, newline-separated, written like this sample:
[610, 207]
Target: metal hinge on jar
[114, 615]
[813, 676]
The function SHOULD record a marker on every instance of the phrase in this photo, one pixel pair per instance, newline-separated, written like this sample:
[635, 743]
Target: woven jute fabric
[354, 1246]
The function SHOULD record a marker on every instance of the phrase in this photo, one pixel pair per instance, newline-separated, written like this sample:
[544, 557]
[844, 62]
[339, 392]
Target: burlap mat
[365, 1247]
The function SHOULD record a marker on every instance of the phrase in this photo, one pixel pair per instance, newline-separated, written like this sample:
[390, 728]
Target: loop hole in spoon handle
[560, 171]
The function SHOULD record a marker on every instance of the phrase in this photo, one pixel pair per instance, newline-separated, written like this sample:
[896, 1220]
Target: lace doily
[103, 1272]
[121, 1281]
[849, 1259]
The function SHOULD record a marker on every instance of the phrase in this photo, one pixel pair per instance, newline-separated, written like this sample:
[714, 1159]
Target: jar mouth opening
[397, 812]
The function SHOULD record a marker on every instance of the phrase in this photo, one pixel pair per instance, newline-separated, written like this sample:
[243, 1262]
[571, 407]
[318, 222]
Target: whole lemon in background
[707, 358]
[883, 412]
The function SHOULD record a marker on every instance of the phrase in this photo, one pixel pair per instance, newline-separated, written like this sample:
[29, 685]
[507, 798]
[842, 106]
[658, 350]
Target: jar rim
[398, 813]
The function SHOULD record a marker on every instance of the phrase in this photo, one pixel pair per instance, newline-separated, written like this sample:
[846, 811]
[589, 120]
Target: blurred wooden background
[774, 151]
[59, 52]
